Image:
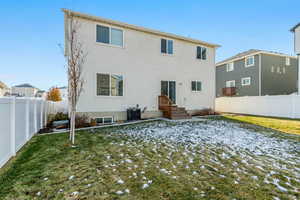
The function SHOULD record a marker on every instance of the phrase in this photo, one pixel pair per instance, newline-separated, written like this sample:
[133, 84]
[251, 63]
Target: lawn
[280, 124]
[201, 159]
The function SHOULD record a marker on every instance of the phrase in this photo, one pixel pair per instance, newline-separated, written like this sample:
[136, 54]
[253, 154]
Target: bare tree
[75, 58]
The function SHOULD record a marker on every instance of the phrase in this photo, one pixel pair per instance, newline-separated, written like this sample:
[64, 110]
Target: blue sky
[31, 30]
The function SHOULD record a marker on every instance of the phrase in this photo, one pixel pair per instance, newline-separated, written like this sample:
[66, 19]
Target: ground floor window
[246, 81]
[230, 83]
[109, 85]
[196, 86]
[104, 120]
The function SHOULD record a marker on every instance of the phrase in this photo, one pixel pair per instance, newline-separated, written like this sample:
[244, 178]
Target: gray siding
[239, 72]
[278, 83]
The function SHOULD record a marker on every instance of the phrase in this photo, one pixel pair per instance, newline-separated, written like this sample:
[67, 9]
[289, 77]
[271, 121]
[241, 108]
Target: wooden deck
[170, 110]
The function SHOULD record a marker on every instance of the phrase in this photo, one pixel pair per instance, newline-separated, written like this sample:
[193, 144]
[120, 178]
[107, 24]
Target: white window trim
[196, 86]
[112, 119]
[229, 84]
[167, 47]
[227, 67]
[246, 78]
[287, 61]
[109, 96]
[109, 28]
[201, 53]
[250, 64]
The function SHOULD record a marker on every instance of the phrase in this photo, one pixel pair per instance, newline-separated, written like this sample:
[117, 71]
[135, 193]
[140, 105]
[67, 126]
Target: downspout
[259, 75]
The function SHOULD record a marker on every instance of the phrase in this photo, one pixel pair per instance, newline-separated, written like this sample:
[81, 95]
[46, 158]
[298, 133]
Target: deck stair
[171, 110]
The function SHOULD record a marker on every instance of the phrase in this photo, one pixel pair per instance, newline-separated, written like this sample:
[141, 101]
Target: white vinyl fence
[20, 119]
[273, 106]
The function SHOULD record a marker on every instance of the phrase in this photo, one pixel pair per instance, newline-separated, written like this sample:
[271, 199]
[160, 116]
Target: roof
[3, 86]
[294, 28]
[26, 85]
[64, 87]
[138, 28]
[251, 52]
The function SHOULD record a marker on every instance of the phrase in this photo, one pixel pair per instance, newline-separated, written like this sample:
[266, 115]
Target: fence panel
[20, 119]
[274, 106]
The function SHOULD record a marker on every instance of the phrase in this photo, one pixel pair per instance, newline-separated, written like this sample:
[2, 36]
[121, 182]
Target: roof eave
[138, 28]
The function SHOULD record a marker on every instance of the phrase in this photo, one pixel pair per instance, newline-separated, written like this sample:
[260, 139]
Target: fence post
[27, 113]
[41, 114]
[34, 116]
[13, 125]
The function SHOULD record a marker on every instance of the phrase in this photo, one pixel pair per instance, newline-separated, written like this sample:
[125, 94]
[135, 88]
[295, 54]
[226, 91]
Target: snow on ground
[216, 133]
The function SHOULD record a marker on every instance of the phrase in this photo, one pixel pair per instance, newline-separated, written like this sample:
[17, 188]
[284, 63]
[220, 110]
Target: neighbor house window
[230, 83]
[166, 46]
[283, 70]
[287, 61]
[246, 81]
[196, 86]
[249, 61]
[229, 67]
[104, 120]
[108, 35]
[272, 69]
[109, 85]
[201, 53]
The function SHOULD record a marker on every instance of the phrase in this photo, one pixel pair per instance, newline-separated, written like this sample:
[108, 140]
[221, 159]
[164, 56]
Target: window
[201, 53]
[230, 83]
[196, 86]
[109, 35]
[249, 61]
[104, 120]
[278, 70]
[246, 81]
[283, 70]
[109, 85]
[229, 67]
[287, 61]
[272, 69]
[166, 46]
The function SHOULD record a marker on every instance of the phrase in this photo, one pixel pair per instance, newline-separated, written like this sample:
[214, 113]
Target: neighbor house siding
[282, 79]
[239, 72]
[143, 67]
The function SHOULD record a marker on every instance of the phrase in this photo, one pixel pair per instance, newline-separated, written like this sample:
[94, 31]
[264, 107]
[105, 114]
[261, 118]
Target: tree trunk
[72, 126]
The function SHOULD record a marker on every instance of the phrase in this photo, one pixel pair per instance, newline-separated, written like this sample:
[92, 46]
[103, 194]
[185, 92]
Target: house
[128, 65]
[63, 93]
[296, 31]
[257, 73]
[24, 90]
[41, 94]
[4, 89]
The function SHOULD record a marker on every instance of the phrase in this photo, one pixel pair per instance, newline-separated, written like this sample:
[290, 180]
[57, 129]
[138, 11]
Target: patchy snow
[218, 133]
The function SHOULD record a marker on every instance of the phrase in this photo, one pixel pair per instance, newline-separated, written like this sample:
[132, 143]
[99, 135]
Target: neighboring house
[128, 65]
[257, 73]
[63, 93]
[4, 89]
[41, 94]
[24, 90]
[296, 31]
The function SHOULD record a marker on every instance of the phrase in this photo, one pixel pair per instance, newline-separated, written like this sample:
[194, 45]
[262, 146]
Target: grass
[281, 124]
[49, 168]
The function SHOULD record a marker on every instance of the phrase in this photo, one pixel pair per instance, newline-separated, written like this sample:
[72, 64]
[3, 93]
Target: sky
[31, 31]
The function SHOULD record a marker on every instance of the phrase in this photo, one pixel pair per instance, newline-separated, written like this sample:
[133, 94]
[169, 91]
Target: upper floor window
[166, 46]
[287, 61]
[246, 81]
[196, 86]
[229, 67]
[230, 83]
[201, 53]
[109, 35]
[109, 85]
[249, 61]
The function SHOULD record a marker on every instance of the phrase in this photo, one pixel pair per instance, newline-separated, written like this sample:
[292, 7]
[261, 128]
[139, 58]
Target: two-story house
[296, 31]
[24, 90]
[257, 73]
[128, 65]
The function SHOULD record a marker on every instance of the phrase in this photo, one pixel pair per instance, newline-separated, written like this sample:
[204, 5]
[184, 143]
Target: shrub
[81, 121]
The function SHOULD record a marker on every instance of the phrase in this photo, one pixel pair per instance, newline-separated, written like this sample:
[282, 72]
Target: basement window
[104, 120]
